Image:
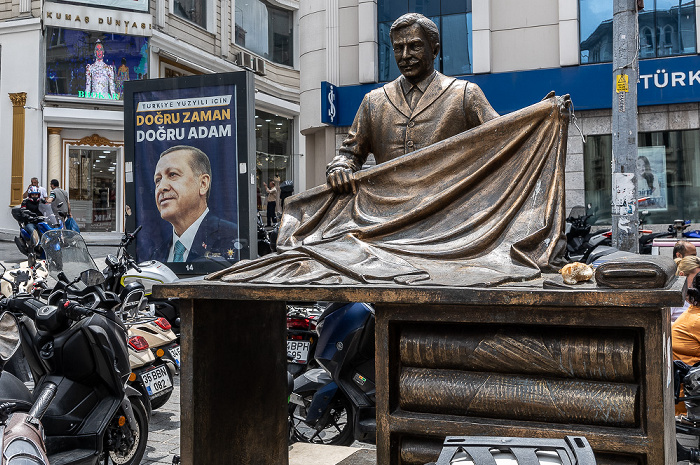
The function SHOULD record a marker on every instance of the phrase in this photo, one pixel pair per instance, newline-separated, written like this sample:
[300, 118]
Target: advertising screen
[90, 64]
[187, 160]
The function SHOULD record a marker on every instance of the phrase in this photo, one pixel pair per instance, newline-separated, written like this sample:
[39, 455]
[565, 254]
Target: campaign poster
[187, 157]
[652, 193]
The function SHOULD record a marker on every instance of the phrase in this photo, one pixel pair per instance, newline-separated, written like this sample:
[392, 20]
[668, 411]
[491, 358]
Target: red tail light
[138, 343]
[645, 231]
[608, 234]
[298, 323]
[163, 323]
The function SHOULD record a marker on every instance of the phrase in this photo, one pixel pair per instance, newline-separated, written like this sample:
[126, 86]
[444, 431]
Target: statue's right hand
[342, 181]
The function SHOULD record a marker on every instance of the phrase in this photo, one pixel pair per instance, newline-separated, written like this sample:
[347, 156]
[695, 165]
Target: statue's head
[416, 42]
[99, 51]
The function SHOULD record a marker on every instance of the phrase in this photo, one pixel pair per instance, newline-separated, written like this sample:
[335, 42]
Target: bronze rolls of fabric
[623, 270]
[419, 451]
[548, 351]
[527, 398]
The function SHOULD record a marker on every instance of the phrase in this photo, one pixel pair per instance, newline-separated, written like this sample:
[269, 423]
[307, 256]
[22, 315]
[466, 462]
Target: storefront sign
[662, 81]
[98, 19]
[187, 138]
[329, 103]
[137, 5]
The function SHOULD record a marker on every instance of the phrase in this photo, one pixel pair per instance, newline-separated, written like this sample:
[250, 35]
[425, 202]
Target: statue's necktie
[179, 252]
[413, 97]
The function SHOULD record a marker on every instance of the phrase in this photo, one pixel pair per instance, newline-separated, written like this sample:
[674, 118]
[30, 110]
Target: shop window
[92, 187]
[273, 149]
[93, 65]
[668, 176]
[265, 30]
[666, 28]
[452, 17]
[191, 10]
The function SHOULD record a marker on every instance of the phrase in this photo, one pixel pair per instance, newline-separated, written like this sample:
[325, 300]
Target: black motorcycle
[301, 335]
[79, 361]
[267, 240]
[688, 424]
[336, 404]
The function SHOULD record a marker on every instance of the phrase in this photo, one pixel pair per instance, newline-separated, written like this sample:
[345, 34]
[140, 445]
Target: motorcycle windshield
[66, 251]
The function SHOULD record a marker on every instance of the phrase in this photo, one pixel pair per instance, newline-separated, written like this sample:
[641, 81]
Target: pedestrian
[278, 205]
[688, 266]
[35, 183]
[58, 198]
[31, 204]
[683, 248]
[271, 203]
[685, 332]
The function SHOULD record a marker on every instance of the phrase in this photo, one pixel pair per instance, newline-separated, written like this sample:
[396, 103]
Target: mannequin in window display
[99, 76]
[122, 76]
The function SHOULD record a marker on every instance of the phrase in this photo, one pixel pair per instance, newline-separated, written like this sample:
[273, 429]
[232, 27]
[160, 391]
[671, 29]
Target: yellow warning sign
[622, 83]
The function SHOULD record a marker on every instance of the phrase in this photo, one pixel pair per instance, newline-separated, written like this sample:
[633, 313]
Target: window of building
[452, 17]
[192, 10]
[93, 65]
[265, 30]
[668, 175]
[273, 149]
[666, 27]
[93, 187]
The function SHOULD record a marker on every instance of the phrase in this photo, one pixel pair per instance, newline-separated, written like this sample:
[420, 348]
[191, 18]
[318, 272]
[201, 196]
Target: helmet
[33, 190]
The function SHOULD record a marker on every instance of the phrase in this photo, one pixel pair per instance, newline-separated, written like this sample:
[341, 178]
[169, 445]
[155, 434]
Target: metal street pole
[625, 216]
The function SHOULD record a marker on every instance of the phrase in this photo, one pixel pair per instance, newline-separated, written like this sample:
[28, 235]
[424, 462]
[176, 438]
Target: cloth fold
[481, 208]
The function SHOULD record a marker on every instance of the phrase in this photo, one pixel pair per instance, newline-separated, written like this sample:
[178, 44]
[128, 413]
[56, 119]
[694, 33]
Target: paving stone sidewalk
[164, 431]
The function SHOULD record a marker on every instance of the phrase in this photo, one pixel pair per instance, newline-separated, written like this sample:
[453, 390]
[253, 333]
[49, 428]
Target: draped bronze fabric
[480, 208]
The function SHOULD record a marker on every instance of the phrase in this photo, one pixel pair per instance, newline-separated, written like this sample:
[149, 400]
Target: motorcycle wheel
[337, 431]
[122, 446]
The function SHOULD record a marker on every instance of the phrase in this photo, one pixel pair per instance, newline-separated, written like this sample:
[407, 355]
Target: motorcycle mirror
[9, 336]
[92, 277]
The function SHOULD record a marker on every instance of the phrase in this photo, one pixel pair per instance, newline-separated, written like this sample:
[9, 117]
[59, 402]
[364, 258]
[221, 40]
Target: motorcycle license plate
[156, 380]
[299, 351]
[175, 354]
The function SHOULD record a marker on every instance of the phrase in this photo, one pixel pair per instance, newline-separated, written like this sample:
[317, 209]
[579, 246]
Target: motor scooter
[122, 270]
[336, 404]
[28, 243]
[688, 424]
[21, 434]
[79, 360]
[265, 241]
[155, 337]
[301, 335]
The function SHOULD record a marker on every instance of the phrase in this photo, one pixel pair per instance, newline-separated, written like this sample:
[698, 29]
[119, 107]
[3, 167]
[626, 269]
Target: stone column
[25, 7]
[55, 156]
[19, 100]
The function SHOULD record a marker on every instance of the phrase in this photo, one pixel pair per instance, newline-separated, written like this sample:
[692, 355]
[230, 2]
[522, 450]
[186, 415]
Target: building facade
[62, 71]
[517, 52]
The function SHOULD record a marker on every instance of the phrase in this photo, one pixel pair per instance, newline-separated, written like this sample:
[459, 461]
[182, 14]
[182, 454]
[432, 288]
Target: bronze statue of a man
[419, 108]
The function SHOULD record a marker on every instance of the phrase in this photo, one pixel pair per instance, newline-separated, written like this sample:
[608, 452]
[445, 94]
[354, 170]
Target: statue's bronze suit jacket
[386, 126]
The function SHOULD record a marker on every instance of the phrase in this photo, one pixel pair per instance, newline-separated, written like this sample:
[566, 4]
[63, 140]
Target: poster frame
[243, 81]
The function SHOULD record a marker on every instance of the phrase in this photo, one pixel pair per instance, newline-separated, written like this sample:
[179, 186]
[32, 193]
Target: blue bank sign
[329, 103]
[662, 81]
